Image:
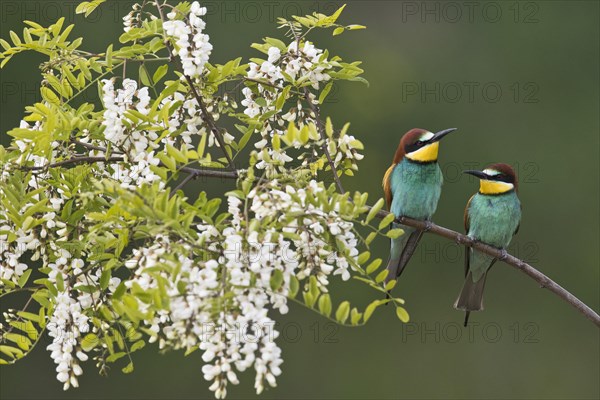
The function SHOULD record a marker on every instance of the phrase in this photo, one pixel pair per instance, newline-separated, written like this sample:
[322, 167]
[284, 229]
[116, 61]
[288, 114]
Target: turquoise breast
[416, 189]
[493, 219]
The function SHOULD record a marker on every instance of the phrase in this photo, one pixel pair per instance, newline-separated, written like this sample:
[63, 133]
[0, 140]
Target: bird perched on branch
[412, 187]
[492, 216]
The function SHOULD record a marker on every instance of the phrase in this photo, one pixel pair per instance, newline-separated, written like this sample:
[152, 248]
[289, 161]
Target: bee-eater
[492, 216]
[412, 187]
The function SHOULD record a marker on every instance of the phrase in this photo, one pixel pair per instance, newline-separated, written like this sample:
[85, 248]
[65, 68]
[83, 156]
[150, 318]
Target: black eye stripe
[503, 178]
[414, 146]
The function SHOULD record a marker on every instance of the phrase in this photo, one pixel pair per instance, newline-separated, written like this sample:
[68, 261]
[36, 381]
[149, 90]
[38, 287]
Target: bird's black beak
[439, 135]
[478, 174]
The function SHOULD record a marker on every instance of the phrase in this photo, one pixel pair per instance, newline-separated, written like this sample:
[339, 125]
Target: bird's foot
[503, 255]
[428, 226]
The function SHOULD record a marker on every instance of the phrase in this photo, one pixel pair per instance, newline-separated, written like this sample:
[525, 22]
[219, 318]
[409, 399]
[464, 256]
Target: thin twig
[502, 255]
[183, 183]
[211, 173]
[195, 172]
[75, 160]
[92, 147]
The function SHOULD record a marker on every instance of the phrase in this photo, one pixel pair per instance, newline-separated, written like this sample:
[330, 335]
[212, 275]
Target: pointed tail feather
[397, 264]
[399, 256]
[467, 313]
[471, 296]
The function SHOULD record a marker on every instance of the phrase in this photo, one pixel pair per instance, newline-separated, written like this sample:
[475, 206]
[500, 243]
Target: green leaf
[5, 44]
[294, 286]
[341, 315]
[363, 257]
[386, 221]
[137, 345]
[167, 161]
[328, 21]
[24, 278]
[390, 285]
[88, 7]
[370, 309]
[176, 154]
[373, 266]
[395, 233]
[402, 314]
[128, 369]
[160, 73]
[115, 356]
[370, 238]
[338, 31]
[374, 210]
[328, 127]
[15, 38]
[49, 96]
[23, 342]
[355, 316]
[381, 276]
[325, 306]
[276, 280]
[105, 279]
[309, 299]
[109, 59]
[89, 342]
[144, 77]
[325, 92]
[354, 27]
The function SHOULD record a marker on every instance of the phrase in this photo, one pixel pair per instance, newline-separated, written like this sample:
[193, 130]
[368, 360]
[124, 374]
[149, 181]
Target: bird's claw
[428, 226]
[503, 255]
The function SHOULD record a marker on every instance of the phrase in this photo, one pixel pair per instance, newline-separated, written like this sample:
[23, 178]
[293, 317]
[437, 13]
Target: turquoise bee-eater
[412, 186]
[492, 216]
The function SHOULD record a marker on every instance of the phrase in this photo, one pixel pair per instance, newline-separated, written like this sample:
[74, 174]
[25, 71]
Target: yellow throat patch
[425, 154]
[494, 187]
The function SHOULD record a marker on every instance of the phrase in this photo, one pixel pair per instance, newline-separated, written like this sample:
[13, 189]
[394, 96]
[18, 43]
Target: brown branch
[195, 172]
[211, 173]
[92, 147]
[502, 255]
[76, 160]
[205, 115]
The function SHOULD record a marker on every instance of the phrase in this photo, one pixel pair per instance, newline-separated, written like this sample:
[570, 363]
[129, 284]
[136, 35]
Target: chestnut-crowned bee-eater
[412, 187]
[492, 216]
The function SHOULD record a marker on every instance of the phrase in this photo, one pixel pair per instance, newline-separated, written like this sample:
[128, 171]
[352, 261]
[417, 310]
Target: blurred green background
[521, 82]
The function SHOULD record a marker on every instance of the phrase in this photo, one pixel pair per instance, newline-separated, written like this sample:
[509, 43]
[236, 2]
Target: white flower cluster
[314, 255]
[65, 326]
[140, 145]
[193, 46]
[191, 116]
[221, 305]
[17, 241]
[137, 144]
[11, 265]
[116, 105]
[67, 322]
[241, 334]
[307, 64]
[344, 150]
